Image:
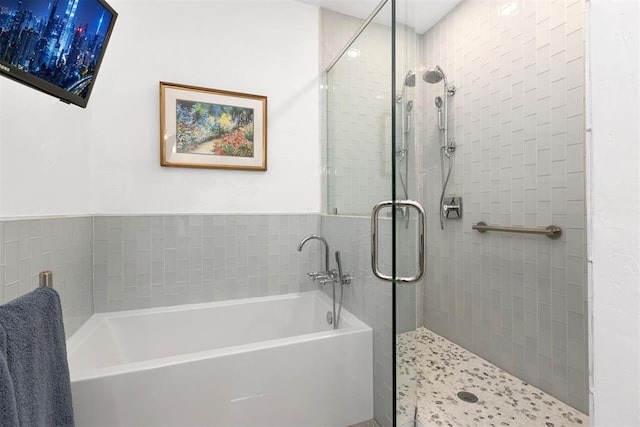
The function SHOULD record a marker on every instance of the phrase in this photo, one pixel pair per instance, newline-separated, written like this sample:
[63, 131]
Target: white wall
[64, 160]
[266, 48]
[615, 211]
[44, 166]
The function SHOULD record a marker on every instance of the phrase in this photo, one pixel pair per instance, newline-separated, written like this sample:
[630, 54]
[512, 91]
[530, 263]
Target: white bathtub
[270, 361]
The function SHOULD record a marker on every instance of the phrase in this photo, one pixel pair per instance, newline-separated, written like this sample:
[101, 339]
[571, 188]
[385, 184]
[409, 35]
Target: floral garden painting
[213, 129]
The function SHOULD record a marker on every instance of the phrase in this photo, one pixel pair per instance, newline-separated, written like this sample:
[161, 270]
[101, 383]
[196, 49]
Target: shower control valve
[451, 146]
[452, 209]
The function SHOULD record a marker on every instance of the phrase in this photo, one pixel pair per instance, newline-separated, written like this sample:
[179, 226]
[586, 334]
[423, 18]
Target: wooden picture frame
[211, 128]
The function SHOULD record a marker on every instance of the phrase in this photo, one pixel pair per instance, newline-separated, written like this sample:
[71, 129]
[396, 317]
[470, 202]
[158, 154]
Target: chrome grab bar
[551, 231]
[374, 239]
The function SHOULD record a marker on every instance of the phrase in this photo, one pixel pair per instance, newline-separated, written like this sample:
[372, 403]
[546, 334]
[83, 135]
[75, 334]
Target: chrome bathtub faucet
[323, 277]
[326, 252]
[329, 276]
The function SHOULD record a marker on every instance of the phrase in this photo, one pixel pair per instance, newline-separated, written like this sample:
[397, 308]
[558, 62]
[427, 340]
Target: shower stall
[424, 109]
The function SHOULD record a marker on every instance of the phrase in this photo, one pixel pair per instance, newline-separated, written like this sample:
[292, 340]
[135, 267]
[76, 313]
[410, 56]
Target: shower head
[438, 102]
[434, 75]
[409, 106]
[410, 79]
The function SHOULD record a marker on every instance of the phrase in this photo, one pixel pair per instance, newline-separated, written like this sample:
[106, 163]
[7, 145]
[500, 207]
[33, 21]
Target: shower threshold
[443, 370]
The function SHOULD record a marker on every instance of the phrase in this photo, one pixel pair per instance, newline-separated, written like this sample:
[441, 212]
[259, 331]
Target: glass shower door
[409, 233]
[367, 147]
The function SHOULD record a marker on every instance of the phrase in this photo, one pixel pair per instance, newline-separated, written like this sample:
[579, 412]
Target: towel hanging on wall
[34, 375]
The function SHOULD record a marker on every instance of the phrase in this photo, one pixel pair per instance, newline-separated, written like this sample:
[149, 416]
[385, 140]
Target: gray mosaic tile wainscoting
[62, 245]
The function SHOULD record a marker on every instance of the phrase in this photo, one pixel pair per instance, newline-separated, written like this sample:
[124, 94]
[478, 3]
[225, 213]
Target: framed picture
[210, 128]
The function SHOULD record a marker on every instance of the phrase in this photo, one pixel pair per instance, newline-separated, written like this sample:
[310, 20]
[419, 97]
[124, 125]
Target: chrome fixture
[403, 151]
[552, 231]
[326, 248]
[438, 102]
[447, 146]
[407, 106]
[344, 279]
[435, 75]
[374, 239]
[45, 279]
[468, 397]
[330, 317]
[453, 208]
[410, 79]
[329, 276]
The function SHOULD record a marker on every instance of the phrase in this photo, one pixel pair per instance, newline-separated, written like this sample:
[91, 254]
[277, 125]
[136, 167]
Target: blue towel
[34, 375]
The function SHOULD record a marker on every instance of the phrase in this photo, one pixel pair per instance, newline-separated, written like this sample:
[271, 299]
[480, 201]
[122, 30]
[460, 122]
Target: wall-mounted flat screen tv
[55, 46]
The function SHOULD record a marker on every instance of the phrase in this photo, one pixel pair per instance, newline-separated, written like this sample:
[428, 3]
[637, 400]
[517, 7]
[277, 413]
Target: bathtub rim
[355, 326]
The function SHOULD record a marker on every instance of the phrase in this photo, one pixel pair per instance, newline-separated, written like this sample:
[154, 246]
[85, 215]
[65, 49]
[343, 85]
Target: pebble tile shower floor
[444, 369]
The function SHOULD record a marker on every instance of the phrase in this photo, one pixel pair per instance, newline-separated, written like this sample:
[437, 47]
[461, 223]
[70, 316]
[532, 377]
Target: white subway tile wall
[151, 261]
[61, 245]
[518, 121]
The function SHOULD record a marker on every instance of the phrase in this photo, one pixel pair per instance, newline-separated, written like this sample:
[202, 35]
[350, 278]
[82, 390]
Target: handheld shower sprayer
[409, 108]
[406, 107]
[405, 123]
[438, 102]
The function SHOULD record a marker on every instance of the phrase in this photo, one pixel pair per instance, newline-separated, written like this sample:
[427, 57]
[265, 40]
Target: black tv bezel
[28, 79]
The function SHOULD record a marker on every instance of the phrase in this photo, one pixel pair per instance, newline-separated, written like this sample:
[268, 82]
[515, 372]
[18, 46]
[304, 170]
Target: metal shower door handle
[374, 239]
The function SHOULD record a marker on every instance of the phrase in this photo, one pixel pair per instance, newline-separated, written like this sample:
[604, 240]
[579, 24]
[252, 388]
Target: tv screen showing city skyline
[58, 41]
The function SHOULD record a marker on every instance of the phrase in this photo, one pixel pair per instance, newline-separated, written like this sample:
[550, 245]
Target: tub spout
[326, 248]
